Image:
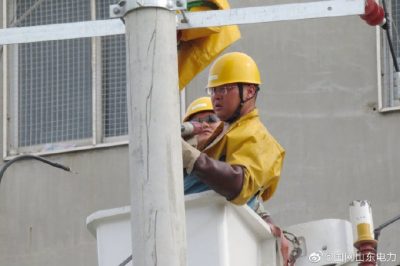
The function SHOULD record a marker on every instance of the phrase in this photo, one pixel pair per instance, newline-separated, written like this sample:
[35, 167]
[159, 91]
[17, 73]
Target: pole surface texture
[155, 160]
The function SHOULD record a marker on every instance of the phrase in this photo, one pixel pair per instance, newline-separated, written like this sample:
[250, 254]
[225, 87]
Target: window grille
[54, 78]
[395, 9]
[51, 83]
[113, 54]
[390, 94]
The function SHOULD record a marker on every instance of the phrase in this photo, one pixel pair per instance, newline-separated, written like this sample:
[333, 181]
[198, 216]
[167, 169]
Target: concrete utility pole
[155, 160]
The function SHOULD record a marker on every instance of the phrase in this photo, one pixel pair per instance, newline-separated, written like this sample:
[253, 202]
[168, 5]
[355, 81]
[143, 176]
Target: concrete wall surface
[43, 210]
[319, 99]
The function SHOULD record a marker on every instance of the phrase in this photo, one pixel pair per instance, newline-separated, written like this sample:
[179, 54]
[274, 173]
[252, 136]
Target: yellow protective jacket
[248, 143]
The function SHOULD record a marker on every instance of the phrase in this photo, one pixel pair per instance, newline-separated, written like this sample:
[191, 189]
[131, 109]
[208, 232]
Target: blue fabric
[252, 203]
[193, 185]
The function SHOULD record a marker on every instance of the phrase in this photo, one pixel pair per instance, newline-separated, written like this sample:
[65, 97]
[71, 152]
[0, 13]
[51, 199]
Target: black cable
[377, 231]
[28, 156]
[386, 27]
[126, 261]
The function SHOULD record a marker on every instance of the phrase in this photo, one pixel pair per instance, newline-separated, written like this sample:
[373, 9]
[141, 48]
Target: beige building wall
[318, 98]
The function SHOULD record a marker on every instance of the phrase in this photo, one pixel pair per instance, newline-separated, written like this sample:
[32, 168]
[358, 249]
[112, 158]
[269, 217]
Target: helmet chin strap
[236, 114]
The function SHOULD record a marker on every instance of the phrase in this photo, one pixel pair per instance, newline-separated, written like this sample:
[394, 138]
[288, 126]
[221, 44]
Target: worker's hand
[192, 141]
[189, 156]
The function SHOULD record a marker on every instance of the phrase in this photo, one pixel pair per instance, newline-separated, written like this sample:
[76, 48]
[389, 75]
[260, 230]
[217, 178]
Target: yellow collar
[229, 127]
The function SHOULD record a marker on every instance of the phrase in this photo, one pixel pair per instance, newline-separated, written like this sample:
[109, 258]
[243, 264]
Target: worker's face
[225, 100]
[209, 123]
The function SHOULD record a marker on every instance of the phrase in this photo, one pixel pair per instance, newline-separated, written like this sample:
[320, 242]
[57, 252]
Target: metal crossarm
[237, 16]
[273, 13]
[64, 31]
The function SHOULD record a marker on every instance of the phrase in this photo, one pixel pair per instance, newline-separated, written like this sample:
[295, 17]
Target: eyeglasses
[221, 90]
[208, 119]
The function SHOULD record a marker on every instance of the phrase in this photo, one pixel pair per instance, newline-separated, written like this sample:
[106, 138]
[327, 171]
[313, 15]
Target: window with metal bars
[115, 120]
[390, 93]
[68, 93]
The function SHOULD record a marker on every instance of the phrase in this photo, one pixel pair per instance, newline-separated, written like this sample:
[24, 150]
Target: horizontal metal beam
[237, 16]
[285, 12]
[64, 31]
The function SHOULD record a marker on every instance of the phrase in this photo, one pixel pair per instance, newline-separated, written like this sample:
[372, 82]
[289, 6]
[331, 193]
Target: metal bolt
[116, 10]
[170, 5]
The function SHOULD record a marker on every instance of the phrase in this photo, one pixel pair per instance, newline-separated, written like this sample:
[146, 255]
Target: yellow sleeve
[261, 157]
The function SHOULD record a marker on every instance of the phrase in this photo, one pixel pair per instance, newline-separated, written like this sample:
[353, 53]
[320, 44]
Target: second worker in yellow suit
[244, 160]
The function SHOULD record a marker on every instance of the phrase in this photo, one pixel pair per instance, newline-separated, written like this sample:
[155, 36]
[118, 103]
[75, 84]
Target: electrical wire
[396, 30]
[15, 22]
[377, 231]
[28, 156]
[126, 261]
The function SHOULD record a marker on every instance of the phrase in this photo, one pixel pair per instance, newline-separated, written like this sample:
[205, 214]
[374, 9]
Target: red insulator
[366, 255]
[378, 18]
[371, 7]
[374, 14]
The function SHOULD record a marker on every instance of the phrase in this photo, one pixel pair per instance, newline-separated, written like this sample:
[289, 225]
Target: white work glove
[192, 141]
[189, 156]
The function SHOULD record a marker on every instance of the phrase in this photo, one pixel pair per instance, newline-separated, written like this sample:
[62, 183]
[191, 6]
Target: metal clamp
[124, 6]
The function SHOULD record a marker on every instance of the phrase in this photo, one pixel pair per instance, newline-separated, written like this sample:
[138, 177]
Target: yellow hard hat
[199, 105]
[233, 68]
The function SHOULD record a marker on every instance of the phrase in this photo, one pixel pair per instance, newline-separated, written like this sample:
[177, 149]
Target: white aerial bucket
[222, 234]
[325, 242]
[218, 233]
[112, 229]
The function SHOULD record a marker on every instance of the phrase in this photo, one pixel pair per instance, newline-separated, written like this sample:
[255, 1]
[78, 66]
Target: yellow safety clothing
[247, 143]
[199, 47]
[191, 34]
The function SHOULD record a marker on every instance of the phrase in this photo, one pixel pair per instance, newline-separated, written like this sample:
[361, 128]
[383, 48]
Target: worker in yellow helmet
[201, 111]
[244, 160]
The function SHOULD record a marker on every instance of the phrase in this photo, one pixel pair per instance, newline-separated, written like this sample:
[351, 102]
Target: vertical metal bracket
[124, 6]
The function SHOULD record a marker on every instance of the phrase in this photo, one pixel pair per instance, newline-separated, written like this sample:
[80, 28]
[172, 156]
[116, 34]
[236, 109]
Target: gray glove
[189, 156]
